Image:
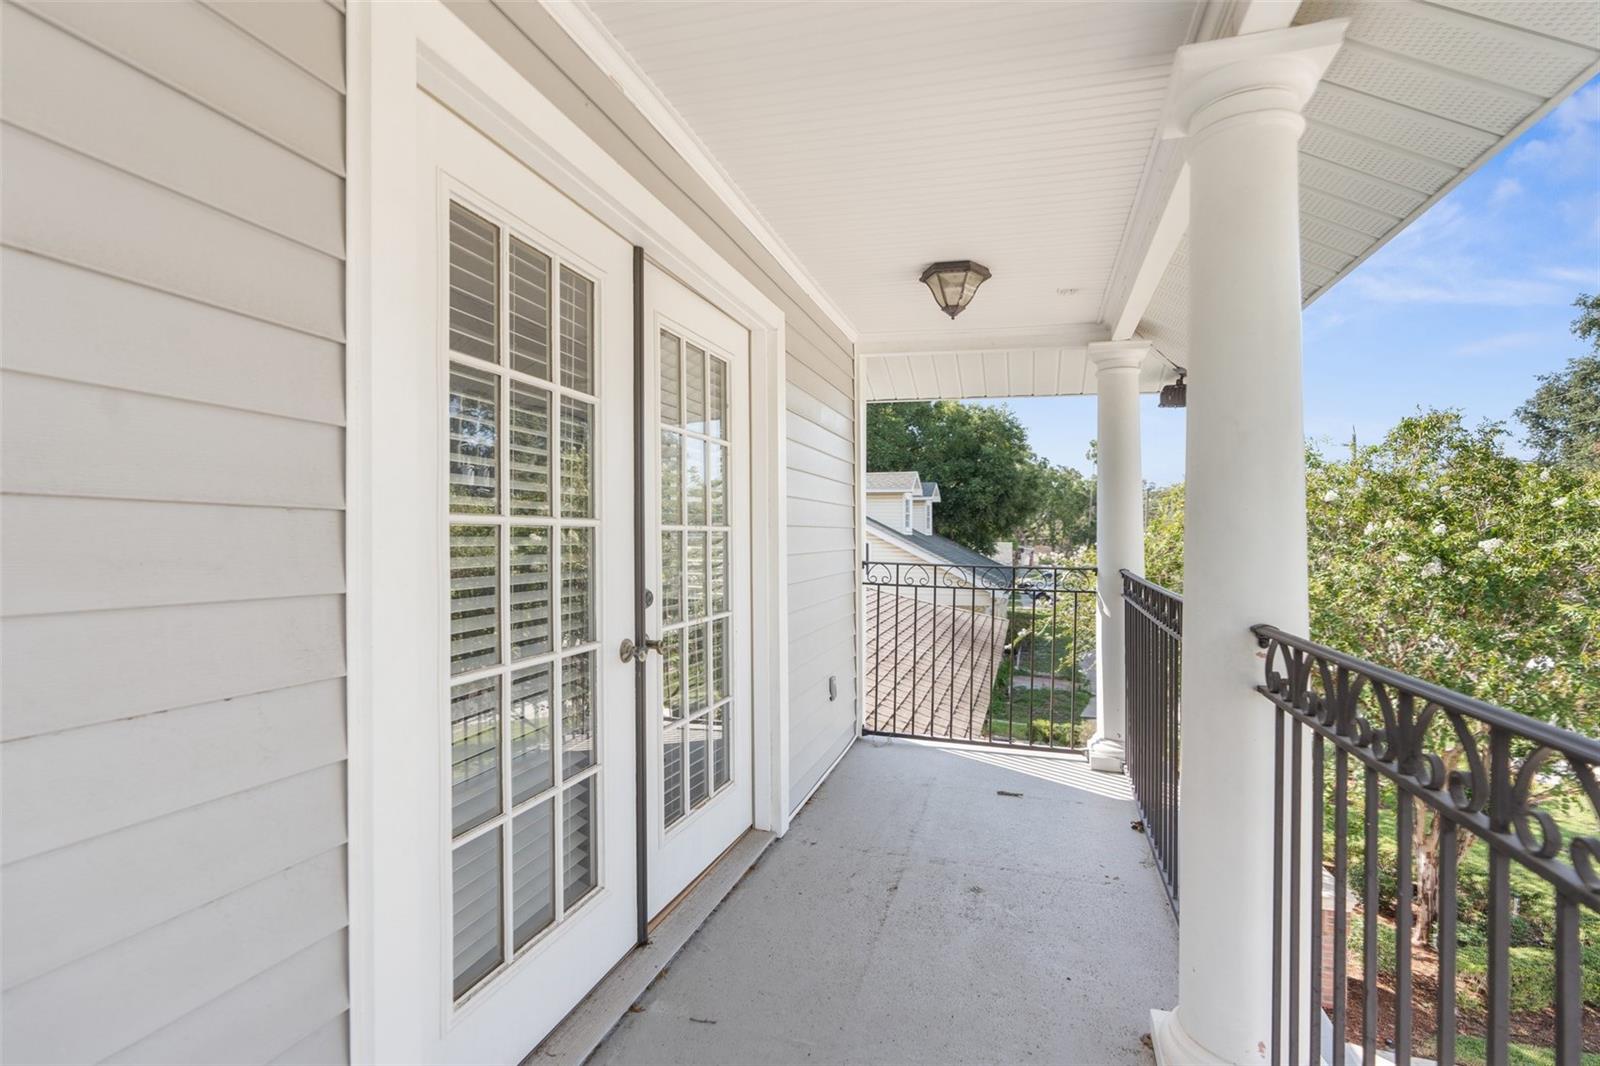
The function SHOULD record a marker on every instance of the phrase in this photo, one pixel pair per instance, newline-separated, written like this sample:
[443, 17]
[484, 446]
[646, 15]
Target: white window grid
[555, 658]
[678, 631]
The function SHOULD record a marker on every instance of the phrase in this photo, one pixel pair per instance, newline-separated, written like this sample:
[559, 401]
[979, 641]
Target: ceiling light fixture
[953, 284]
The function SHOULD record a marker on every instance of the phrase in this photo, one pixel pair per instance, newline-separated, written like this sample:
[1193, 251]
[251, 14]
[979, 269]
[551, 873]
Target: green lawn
[1473, 1051]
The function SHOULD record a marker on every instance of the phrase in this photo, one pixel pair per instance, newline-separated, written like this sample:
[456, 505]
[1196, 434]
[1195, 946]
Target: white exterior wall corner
[820, 387]
[172, 643]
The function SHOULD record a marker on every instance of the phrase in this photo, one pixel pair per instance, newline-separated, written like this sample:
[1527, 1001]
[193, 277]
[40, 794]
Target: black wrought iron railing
[982, 654]
[1466, 840]
[1153, 650]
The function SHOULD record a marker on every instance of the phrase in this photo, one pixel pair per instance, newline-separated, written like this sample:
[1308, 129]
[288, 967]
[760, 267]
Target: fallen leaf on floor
[1137, 825]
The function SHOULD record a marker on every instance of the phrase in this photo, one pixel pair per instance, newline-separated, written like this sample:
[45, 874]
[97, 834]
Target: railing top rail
[1129, 575]
[999, 575]
[1554, 737]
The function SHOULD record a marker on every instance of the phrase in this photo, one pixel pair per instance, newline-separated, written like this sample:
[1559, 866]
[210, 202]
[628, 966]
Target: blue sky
[1464, 309]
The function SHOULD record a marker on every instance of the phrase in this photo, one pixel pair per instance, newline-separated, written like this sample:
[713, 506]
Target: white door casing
[401, 1007]
[696, 436]
[536, 584]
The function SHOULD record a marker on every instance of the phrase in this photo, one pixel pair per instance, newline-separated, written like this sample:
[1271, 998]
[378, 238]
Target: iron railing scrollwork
[1487, 775]
[975, 653]
[1153, 651]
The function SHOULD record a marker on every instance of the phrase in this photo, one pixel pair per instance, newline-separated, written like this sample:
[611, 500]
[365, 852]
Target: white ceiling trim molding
[1160, 215]
[589, 33]
[1073, 335]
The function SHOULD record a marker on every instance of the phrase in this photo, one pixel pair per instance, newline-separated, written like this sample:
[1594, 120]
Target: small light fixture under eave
[953, 284]
[1176, 394]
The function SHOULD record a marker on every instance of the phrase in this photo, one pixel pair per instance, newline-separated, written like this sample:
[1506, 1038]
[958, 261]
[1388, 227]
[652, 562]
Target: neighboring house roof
[894, 481]
[939, 549]
[931, 491]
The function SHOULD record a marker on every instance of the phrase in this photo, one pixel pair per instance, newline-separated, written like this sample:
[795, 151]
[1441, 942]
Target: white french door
[698, 687]
[534, 846]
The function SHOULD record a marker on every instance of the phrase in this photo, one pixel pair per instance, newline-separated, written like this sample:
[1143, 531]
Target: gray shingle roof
[893, 481]
[991, 573]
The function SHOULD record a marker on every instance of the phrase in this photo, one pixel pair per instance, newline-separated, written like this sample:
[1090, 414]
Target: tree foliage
[1437, 553]
[988, 477]
[1563, 415]
[1063, 516]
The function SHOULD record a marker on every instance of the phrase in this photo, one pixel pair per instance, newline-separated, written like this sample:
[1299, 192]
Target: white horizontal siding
[140, 985]
[72, 902]
[201, 54]
[246, 1024]
[183, 349]
[172, 780]
[68, 553]
[64, 787]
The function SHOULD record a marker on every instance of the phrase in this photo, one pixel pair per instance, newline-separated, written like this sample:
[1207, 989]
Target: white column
[1238, 102]
[1119, 534]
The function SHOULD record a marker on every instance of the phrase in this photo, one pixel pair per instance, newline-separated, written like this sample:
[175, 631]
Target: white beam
[1160, 214]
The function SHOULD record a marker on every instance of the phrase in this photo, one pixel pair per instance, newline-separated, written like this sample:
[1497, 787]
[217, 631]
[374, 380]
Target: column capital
[1268, 76]
[1117, 355]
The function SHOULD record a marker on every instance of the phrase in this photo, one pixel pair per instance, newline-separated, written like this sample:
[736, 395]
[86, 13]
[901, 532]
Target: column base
[1175, 1047]
[1106, 755]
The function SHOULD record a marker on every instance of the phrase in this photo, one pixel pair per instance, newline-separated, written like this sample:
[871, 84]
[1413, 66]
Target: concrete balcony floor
[917, 913]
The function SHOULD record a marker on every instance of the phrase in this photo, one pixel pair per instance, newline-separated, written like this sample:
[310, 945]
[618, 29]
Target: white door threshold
[581, 1031]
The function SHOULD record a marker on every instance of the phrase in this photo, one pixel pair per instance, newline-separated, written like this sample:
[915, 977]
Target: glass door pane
[692, 576]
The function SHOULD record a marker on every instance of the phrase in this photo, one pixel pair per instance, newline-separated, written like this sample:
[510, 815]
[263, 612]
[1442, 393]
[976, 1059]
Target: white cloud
[1573, 144]
[1505, 190]
[1503, 342]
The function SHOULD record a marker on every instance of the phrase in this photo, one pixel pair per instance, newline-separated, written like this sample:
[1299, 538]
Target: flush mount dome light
[954, 283]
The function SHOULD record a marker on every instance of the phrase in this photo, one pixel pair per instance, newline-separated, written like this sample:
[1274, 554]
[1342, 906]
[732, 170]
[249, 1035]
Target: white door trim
[393, 49]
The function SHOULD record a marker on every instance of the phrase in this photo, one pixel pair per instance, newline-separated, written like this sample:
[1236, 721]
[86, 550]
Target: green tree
[1163, 536]
[987, 475]
[1563, 415]
[1063, 517]
[1437, 553]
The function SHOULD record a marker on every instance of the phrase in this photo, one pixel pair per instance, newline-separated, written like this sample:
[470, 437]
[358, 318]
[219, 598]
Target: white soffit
[1419, 97]
[874, 138]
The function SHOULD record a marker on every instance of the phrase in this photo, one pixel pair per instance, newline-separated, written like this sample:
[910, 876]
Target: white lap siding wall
[173, 698]
[819, 394]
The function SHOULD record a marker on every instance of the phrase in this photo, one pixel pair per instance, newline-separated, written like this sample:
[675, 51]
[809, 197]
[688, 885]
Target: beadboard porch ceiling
[870, 138]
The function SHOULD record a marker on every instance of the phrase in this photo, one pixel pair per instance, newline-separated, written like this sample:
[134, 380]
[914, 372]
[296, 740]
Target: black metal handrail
[1478, 769]
[1153, 650]
[954, 652]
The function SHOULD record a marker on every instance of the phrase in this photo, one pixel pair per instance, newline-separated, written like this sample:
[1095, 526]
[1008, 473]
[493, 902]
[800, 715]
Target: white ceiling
[874, 138]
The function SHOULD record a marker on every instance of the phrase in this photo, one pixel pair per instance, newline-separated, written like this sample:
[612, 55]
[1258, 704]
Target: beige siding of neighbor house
[820, 386]
[888, 508]
[172, 533]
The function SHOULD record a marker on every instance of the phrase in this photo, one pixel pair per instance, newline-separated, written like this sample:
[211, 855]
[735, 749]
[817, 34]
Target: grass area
[1030, 715]
[1533, 910]
[1474, 1051]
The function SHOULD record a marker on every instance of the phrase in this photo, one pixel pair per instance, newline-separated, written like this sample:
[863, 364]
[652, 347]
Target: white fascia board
[590, 34]
[1160, 215]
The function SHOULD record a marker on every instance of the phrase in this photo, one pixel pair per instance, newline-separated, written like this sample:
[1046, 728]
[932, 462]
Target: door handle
[630, 650]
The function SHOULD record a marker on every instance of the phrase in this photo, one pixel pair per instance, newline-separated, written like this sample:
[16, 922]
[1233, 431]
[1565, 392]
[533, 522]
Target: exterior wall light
[953, 284]
[1176, 394]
